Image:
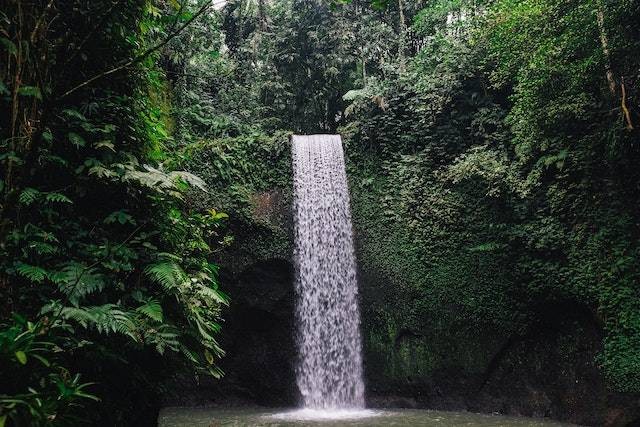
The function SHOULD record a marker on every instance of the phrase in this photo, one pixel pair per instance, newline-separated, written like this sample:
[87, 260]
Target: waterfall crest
[329, 371]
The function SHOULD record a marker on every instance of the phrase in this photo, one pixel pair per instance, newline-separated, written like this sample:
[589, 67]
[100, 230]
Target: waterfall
[329, 371]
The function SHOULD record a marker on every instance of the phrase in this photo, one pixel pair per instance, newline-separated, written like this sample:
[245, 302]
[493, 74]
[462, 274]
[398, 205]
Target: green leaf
[42, 360]
[30, 91]
[168, 274]
[3, 89]
[105, 144]
[31, 272]
[50, 158]
[9, 45]
[58, 198]
[121, 217]
[74, 114]
[28, 196]
[11, 155]
[76, 139]
[76, 280]
[380, 4]
[21, 356]
[42, 248]
[152, 309]
[47, 135]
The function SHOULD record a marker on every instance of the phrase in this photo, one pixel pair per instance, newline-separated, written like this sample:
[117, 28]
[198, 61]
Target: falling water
[329, 373]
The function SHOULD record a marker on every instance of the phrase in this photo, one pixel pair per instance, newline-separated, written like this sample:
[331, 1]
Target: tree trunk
[604, 41]
[403, 37]
[262, 15]
[611, 79]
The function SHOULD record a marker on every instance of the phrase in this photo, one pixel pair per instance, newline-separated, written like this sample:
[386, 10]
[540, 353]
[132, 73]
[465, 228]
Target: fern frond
[31, 272]
[212, 294]
[28, 196]
[42, 248]
[77, 281]
[189, 354]
[102, 172]
[168, 274]
[190, 179]
[107, 318]
[152, 309]
[166, 336]
[159, 180]
[57, 198]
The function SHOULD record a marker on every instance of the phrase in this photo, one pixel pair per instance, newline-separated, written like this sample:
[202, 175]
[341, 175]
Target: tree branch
[40, 21]
[625, 110]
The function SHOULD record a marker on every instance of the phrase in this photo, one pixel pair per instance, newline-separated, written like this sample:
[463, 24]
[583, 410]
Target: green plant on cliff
[503, 160]
[490, 150]
[572, 117]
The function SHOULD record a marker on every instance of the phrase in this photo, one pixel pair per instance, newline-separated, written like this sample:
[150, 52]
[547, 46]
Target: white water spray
[329, 373]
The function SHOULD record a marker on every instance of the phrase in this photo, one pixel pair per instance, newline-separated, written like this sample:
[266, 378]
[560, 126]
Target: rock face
[258, 330]
[258, 339]
[550, 372]
[258, 336]
[411, 358]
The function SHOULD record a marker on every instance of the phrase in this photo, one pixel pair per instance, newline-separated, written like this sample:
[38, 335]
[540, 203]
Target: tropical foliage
[492, 150]
[106, 273]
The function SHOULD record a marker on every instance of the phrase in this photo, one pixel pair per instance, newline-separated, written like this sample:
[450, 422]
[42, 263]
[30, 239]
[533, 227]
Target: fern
[28, 196]
[76, 281]
[100, 171]
[152, 309]
[76, 140]
[57, 198]
[212, 294]
[31, 272]
[165, 336]
[107, 318]
[190, 179]
[120, 216]
[42, 248]
[168, 274]
[158, 180]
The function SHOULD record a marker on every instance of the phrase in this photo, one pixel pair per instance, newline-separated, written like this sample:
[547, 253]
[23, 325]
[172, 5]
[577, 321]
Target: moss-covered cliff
[442, 327]
[444, 323]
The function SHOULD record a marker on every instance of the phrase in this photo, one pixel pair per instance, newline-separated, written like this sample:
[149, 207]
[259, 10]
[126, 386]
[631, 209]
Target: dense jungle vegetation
[492, 148]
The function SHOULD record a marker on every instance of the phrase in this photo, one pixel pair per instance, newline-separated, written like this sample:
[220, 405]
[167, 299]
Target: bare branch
[625, 109]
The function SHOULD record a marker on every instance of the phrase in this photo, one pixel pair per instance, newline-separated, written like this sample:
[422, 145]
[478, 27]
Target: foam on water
[329, 372]
[325, 414]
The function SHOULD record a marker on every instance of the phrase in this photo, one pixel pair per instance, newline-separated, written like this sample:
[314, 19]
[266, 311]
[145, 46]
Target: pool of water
[207, 417]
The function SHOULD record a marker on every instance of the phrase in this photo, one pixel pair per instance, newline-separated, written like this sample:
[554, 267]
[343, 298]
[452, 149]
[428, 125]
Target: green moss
[250, 179]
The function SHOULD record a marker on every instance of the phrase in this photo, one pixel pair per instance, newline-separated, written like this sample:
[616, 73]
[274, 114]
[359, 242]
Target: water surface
[207, 417]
